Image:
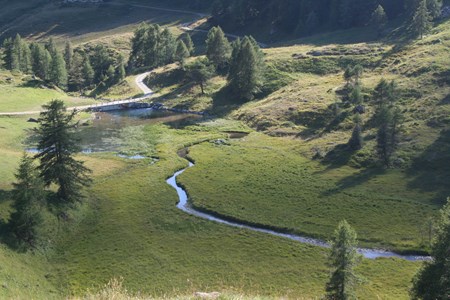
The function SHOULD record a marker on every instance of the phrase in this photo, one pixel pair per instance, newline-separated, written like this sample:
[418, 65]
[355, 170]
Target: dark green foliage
[200, 71]
[181, 53]
[151, 47]
[120, 72]
[355, 95]
[87, 72]
[7, 53]
[218, 49]
[186, 38]
[352, 75]
[379, 19]
[421, 21]
[356, 140]
[433, 279]
[58, 71]
[18, 55]
[42, 61]
[388, 118]
[246, 68]
[28, 196]
[434, 7]
[51, 47]
[68, 55]
[343, 260]
[57, 146]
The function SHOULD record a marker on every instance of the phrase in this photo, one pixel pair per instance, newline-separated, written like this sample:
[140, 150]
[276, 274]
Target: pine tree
[186, 38]
[435, 8]
[356, 96]
[68, 55]
[25, 58]
[421, 21]
[51, 47]
[7, 53]
[76, 80]
[433, 279]
[120, 72]
[57, 146]
[28, 196]
[343, 259]
[88, 72]
[181, 53]
[16, 53]
[200, 71]
[58, 71]
[246, 69]
[167, 47]
[218, 48]
[356, 140]
[110, 75]
[379, 19]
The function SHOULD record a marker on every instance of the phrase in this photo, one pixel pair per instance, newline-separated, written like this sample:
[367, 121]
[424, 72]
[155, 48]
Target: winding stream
[184, 206]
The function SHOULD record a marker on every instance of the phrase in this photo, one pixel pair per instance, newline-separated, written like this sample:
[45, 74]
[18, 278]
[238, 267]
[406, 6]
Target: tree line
[305, 16]
[71, 69]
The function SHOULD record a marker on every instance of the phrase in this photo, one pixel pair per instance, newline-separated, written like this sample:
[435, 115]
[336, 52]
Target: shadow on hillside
[445, 101]
[77, 20]
[430, 172]
[4, 229]
[354, 180]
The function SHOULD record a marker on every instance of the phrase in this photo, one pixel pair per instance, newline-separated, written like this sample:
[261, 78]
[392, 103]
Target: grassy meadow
[129, 226]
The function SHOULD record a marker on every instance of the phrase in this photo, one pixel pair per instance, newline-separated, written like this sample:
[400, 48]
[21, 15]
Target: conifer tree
[356, 140]
[68, 54]
[167, 47]
[421, 21]
[200, 71]
[246, 69]
[28, 197]
[51, 47]
[186, 38]
[58, 71]
[16, 53]
[181, 53]
[343, 260]
[76, 80]
[379, 19]
[432, 281]
[88, 72]
[120, 71]
[435, 8]
[7, 53]
[57, 146]
[218, 48]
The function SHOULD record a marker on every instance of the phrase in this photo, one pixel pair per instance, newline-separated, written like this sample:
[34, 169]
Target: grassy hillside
[129, 225]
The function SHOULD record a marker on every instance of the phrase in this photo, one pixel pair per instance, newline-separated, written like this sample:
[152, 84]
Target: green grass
[267, 181]
[21, 93]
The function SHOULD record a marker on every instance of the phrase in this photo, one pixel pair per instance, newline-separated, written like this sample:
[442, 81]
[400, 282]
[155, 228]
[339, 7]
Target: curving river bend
[184, 206]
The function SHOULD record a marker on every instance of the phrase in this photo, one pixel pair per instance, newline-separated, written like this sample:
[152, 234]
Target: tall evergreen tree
[379, 19]
[28, 198]
[246, 69]
[88, 72]
[51, 47]
[421, 21]
[432, 282]
[356, 140]
[181, 53]
[16, 52]
[58, 71]
[7, 53]
[57, 146]
[68, 54]
[167, 47]
[218, 48]
[343, 260]
[76, 78]
[186, 38]
[120, 71]
[435, 8]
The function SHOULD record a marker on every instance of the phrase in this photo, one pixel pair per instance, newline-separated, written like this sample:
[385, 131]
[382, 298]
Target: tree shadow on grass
[430, 172]
[354, 180]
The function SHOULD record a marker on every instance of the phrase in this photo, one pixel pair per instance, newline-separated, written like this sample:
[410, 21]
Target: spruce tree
[76, 80]
[186, 38]
[181, 53]
[88, 72]
[51, 47]
[58, 71]
[246, 69]
[432, 282]
[167, 47]
[435, 8]
[68, 54]
[356, 140]
[16, 52]
[379, 20]
[421, 21]
[28, 198]
[218, 48]
[343, 260]
[57, 146]
[120, 71]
